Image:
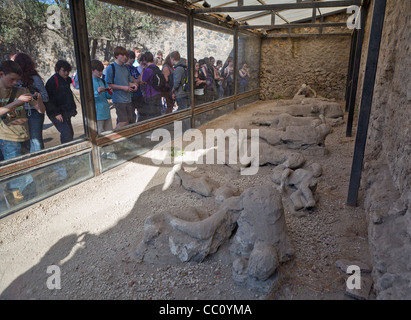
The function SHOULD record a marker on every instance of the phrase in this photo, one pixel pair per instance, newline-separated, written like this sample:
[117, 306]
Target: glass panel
[127, 53]
[27, 188]
[207, 116]
[43, 47]
[125, 149]
[249, 49]
[248, 100]
[214, 73]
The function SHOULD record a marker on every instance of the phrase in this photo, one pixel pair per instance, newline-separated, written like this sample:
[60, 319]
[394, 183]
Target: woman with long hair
[32, 81]
[228, 83]
[210, 88]
[168, 74]
[199, 83]
[243, 77]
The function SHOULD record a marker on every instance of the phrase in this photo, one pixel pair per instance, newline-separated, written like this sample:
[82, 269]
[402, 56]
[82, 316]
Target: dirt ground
[91, 231]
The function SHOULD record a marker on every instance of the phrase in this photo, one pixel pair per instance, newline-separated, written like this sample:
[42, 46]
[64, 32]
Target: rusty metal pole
[190, 46]
[366, 99]
[82, 50]
[236, 62]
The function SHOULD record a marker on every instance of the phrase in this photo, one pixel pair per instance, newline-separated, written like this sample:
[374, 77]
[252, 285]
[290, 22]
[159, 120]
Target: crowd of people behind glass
[138, 86]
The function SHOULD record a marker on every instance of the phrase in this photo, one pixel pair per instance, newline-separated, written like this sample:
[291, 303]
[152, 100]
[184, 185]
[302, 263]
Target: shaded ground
[91, 231]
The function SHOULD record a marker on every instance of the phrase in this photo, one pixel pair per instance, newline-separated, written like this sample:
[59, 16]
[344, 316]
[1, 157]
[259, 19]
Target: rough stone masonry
[387, 169]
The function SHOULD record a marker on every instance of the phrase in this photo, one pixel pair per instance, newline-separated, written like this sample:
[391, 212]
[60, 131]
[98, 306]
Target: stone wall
[321, 62]
[387, 168]
[206, 43]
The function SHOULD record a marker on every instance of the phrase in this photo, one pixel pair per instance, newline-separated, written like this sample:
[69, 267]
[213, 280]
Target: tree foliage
[112, 24]
[107, 21]
[23, 23]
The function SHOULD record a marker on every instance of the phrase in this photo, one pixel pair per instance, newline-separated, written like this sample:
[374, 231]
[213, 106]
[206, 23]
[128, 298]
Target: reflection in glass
[148, 41]
[128, 148]
[248, 63]
[228, 76]
[37, 49]
[244, 75]
[247, 101]
[24, 189]
[199, 84]
[32, 81]
[213, 51]
[208, 116]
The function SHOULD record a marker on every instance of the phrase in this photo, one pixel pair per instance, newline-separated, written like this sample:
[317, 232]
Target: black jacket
[61, 100]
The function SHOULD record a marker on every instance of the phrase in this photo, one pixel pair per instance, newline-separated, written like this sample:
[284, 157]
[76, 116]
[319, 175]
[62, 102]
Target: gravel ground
[91, 232]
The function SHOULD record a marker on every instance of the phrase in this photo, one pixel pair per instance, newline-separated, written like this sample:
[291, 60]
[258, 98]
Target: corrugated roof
[257, 18]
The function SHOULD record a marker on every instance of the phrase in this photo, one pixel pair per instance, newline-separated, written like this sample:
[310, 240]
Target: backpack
[72, 80]
[158, 81]
[57, 82]
[114, 71]
[185, 79]
[171, 81]
[209, 80]
[75, 81]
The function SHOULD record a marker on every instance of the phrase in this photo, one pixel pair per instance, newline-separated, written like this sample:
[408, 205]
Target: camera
[34, 96]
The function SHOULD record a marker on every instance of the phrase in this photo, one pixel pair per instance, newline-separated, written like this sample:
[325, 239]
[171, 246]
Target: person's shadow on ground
[41, 274]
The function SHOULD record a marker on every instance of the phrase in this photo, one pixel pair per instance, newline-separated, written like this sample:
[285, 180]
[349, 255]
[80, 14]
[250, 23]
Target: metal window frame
[186, 13]
[93, 141]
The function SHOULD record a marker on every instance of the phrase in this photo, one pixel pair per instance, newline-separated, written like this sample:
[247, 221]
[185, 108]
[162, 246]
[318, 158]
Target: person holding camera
[119, 79]
[102, 92]
[32, 81]
[14, 134]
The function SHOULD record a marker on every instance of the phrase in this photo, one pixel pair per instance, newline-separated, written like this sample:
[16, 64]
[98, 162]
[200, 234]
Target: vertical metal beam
[348, 85]
[314, 17]
[366, 99]
[190, 60]
[352, 95]
[82, 50]
[321, 21]
[259, 61]
[236, 55]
